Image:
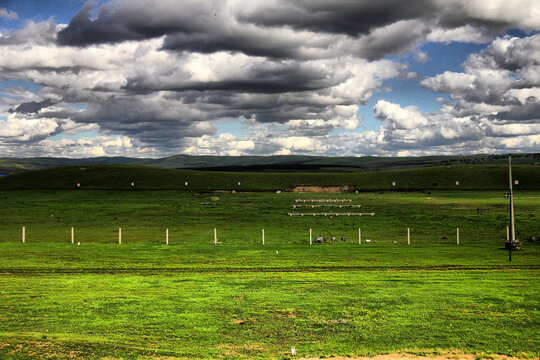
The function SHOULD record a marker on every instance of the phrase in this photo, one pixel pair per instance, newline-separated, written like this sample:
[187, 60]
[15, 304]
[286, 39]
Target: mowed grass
[241, 299]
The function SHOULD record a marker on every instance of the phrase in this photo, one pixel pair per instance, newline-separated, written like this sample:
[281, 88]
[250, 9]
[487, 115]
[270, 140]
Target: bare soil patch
[324, 189]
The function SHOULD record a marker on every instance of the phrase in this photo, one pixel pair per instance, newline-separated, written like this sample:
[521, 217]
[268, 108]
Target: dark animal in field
[325, 239]
[318, 239]
[343, 238]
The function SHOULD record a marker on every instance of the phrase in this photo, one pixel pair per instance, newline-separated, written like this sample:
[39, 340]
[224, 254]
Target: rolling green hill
[470, 177]
[289, 163]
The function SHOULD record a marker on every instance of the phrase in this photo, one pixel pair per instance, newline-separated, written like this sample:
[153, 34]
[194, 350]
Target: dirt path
[454, 355]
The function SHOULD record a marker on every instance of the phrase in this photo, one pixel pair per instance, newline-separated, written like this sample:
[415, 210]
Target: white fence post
[263, 236]
[23, 234]
[359, 236]
[310, 237]
[119, 236]
[457, 235]
[72, 235]
[408, 236]
[215, 236]
[166, 236]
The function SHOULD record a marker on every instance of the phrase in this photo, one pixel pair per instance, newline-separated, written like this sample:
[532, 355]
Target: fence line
[323, 200]
[332, 214]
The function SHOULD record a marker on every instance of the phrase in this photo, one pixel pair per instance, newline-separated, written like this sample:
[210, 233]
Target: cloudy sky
[265, 77]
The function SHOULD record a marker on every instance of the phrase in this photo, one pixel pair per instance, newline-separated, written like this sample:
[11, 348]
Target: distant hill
[118, 177]
[288, 163]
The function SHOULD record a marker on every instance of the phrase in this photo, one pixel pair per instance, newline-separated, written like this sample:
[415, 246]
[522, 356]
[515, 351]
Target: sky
[156, 78]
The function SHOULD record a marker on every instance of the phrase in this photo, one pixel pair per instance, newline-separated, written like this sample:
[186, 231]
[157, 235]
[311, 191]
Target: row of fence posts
[216, 239]
[360, 236]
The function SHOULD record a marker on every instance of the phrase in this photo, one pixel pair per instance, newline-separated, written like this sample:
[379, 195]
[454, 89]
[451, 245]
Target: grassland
[241, 299]
[114, 177]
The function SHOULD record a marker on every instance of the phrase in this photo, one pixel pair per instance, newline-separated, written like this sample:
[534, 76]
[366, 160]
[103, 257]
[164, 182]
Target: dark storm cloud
[350, 17]
[135, 20]
[208, 27]
[529, 111]
[211, 42]
[266, 79]
[31, 107]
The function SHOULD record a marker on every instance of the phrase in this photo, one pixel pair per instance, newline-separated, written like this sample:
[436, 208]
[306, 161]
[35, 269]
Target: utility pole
[512, 223]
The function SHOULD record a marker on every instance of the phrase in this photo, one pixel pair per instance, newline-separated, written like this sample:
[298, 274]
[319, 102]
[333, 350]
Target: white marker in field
[457, 235]
[293, 351]
[457, 183]
[359, 236]
[23, 234]
[393, 183]
[215, 236]
[186, 183]
[119, 236]
[132, 184]
[408, 236]
[167, 236]
[310, 237]
[72, 235]
[263, 236]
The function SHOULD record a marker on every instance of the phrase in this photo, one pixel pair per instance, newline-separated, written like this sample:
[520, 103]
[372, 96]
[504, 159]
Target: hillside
[289, 163]
[477, 177]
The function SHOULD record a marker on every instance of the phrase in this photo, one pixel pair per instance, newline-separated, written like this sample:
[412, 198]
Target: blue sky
[139, 78]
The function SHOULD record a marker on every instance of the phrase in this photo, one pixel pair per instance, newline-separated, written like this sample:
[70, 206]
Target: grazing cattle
[343, 238]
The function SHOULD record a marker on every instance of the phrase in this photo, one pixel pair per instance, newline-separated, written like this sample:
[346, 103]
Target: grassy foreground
[243, 300]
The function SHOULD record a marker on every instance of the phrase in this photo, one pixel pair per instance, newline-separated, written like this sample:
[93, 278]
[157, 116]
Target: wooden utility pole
[512, 223]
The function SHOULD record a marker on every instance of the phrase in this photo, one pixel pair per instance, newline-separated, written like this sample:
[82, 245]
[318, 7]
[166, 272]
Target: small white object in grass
[293, 351]
[457, 183]
[277, 252]
[368, 240]
[186, 183]
[78, 243]
[132, 184]
[395, 242]
[516, 182]
[393, 183]
[78, 185]
[239, 183]
[278, 192]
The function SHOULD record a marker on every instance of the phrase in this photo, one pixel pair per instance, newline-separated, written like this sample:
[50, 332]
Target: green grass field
[243, 300]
